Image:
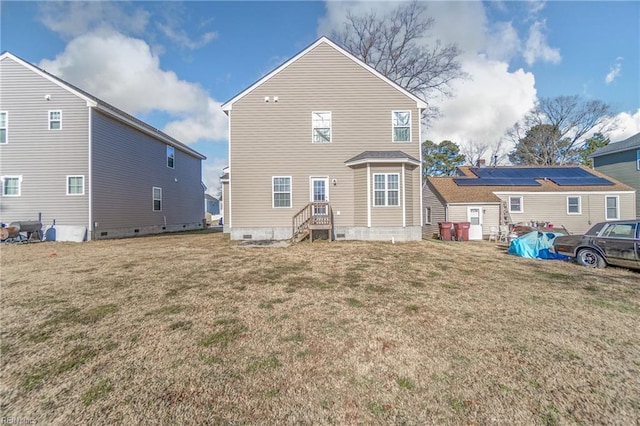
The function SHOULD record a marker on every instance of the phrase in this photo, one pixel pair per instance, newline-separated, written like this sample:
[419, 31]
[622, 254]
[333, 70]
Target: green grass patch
[229, 331]
[78, 316]
[166, 310]
[97, 391]
[181, 325]
[269, 363]
[76, 357]
[405, 383]
[355, 303]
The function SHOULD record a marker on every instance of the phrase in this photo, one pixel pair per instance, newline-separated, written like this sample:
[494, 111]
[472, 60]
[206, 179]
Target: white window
[574, 205]
[427, 216]
[401, 121]
[516, 205]
[171, 157]
[638, 160]
[11, 186]
[281, 188]
[611, 206]
[157, 199]
[55, 120]
[386, 189]
[321, 121]
[75, 185]
[4, 127]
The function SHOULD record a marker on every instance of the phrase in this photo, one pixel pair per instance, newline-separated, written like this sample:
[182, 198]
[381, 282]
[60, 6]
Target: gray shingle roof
[631, 143]
[382, 155]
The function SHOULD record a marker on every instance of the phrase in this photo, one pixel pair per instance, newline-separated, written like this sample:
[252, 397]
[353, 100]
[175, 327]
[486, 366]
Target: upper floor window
[574, 205]
[321, 121]
[281, 190]
[157, 199]
[401, 126]
[171, 157]
[55, 120]
[386, 189]
[611, 206]
[75, 185]
[4, 127]
[516, 205]
[11, 186]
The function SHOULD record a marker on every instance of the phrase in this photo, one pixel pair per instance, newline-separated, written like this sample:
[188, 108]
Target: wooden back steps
[314, 216]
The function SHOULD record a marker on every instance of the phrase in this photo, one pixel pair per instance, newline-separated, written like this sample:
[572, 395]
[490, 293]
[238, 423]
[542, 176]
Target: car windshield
[595, 229]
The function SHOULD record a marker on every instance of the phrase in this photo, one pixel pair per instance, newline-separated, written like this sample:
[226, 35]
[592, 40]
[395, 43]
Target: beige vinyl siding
[274, 139]
[360, 196]
[552, 207]
[438, 211]
[410, 202]
[225, 206]
[386, 215]
[623, 167]
[44, 158]
[127, 164]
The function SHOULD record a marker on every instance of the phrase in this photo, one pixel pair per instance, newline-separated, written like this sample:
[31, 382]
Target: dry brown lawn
[194, 329]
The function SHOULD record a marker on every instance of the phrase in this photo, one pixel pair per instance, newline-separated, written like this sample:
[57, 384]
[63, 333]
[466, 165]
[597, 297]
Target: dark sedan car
[614, 243]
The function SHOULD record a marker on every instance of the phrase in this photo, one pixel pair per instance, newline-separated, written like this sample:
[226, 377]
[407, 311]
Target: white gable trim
[90, 102]
[228, 106]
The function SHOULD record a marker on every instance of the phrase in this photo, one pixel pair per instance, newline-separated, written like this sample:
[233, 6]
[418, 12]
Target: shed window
[401, 121]
[386, 189]
[281, 191]
[171, 156]
[75, 185]
[321, 121]
[4, 126]
[611, 205]
[574, 205]
[157, 199]
[427, 216]
[516, 205]
[55, 120]
[11, 186]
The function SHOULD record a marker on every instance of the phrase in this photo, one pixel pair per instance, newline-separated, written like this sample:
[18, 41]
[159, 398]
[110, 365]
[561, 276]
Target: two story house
[621, 160]
[69, 158]
[324, 143]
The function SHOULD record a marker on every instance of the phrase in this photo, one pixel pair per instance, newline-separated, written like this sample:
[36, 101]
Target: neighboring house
[66, 156]
[575, 197]
[212, 204]
[323, 142]
[621, 161]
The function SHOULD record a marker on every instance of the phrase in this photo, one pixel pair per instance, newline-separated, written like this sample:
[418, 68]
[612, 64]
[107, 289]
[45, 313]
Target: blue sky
[173, 63]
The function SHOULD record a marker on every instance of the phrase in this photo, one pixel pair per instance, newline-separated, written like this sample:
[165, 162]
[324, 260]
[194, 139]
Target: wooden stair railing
[313, 216]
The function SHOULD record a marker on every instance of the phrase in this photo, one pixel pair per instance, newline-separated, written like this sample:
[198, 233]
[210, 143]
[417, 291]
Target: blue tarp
[535, 245]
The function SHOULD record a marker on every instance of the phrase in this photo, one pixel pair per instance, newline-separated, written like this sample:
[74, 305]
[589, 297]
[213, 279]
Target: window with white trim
[516, 205]
[4, 127]
[171, 157]
[75, 185]
[281, 189]
[638, 159]
[157, 199]
[386, 189]
[401, 121]
[11, 186]
[55, 120]
[321, 122]
[427, 216]
[612, 203]
[574, 205]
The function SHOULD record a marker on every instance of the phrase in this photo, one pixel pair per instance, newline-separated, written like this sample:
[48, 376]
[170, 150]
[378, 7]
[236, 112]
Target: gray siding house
[581, 198]
[323, 142]
[621, 160]
[68, 157]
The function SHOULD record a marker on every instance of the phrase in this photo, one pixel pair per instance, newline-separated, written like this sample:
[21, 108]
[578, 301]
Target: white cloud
[494, 98]
[181, 38]
[614, 71]
[628, 124]
[71, 19]
[536, 47]
[124, 72]
[211, 172]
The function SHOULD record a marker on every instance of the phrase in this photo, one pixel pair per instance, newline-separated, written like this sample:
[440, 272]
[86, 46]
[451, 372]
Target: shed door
[474, 216]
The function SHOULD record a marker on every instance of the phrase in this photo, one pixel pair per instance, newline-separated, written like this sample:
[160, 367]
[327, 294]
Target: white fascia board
[420, 104]
[382, 161]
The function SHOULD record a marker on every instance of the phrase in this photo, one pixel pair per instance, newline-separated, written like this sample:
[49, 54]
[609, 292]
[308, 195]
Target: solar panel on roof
[496, 182]
[526, 176]
[588, 181]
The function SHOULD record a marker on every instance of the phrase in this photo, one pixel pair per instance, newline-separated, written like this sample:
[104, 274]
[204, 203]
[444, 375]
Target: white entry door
[319, 193]
[474, 216]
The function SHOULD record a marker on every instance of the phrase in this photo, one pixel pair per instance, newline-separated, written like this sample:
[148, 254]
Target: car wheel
[591, 258]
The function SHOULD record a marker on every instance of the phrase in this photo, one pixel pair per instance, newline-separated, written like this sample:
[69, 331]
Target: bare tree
[566, 121]
[397, 45]
[493, 154]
